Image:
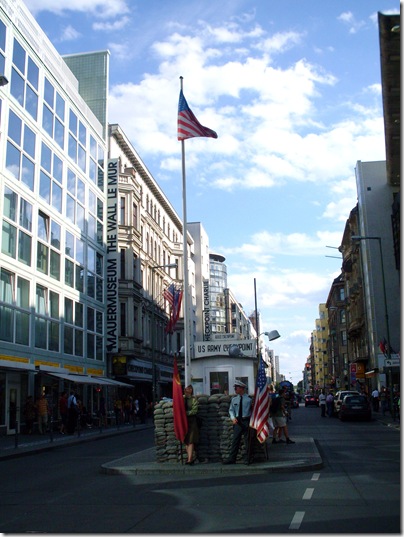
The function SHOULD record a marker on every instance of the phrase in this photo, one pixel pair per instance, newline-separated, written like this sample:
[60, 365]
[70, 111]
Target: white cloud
[348, 18]
[69, 34]
[111, 26]
[97, 8]
[263, 245]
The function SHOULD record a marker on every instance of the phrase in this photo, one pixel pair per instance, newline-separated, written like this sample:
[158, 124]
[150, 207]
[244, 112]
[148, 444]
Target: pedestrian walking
[42, 409]
[330, 404]
[72, 413]
[375, 400]
[278, 414]
[383, 400]
[322, 401]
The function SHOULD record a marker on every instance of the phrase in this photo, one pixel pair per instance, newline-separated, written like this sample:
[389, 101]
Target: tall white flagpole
[185, 265]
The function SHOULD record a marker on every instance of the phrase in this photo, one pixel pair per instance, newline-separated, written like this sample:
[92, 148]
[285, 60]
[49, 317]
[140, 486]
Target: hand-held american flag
[260, 413]
[188, 125]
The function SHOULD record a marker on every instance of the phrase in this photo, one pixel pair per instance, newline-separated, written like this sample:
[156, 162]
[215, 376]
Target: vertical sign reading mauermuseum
[112, 256]
[206, 311]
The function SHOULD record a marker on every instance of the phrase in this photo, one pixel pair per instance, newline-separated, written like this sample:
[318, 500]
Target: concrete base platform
[301, 456]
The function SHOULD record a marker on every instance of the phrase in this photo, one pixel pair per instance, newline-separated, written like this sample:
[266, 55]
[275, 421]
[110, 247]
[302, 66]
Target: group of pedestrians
[326, 403]
[381, 401]
[129, 409]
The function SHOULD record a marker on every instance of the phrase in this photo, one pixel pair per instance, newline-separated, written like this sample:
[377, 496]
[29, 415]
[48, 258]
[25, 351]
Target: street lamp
[273, 334]
[3, 80]
[386, 314]
[153, 328]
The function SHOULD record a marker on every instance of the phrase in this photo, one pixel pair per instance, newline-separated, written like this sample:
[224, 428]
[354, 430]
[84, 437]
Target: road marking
[297, 520]
[315, 477]
[308, 494]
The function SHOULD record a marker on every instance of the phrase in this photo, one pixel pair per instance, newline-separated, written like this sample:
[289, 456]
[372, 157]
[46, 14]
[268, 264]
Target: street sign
[392, 362]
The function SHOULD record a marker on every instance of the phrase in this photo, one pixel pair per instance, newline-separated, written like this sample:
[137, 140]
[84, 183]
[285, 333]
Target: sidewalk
[12, 446]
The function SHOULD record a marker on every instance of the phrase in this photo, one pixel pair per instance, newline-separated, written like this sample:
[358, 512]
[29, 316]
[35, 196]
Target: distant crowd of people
[71, 413]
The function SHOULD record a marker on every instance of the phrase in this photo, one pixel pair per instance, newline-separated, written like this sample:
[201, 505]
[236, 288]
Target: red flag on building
[260, 413]
[180, 417]
[188, 125]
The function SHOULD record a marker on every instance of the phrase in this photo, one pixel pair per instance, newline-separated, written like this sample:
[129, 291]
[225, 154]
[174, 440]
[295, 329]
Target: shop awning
[87, 379]
[79, 379]
[113, 382]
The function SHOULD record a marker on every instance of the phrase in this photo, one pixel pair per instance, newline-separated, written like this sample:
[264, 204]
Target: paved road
[65, 491]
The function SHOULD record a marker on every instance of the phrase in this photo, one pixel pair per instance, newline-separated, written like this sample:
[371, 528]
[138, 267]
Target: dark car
[355, 406]
[311, 399]
[295, 401]
[339, 397]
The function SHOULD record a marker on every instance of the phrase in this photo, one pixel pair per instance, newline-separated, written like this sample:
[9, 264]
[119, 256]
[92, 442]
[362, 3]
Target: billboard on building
[206, 311]
[247, 348]
[112, 271]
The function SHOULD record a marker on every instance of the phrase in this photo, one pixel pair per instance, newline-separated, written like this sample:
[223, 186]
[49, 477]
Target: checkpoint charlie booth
[216, 364]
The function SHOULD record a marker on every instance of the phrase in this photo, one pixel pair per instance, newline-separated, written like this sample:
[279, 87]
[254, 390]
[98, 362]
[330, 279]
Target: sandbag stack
[215, 432]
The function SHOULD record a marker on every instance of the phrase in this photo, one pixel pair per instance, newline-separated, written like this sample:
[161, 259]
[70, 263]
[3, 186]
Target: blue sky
[293, 90]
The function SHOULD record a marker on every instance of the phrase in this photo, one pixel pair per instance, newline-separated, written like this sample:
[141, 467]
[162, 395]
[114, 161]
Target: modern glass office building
[53, 211]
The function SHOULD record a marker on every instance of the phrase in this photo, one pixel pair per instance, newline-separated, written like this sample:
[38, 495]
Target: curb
[296, 462]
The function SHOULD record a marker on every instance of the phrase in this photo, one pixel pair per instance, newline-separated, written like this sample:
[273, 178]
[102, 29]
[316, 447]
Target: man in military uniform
[240, 413]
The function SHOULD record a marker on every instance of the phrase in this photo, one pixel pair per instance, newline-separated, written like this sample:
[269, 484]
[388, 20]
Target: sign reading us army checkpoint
[204, 349]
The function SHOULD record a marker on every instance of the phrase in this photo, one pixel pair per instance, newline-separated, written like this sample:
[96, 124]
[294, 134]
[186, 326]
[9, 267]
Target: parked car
[311, 399]
[339, 396]
[355, 406]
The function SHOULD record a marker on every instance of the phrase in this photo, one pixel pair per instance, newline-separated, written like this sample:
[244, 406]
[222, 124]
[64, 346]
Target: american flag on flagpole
[188, 125]
[174, 298]
[260, 413]
[168, 294]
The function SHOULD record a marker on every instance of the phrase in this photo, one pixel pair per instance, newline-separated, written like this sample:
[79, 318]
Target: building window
[24, 80]
[20, 250]
[94, 334]
[47, 321]
[122, 211]
[123, 319]
[20, 151]
[134, 216]
[51, 178]
[343, 337]
[123, 264]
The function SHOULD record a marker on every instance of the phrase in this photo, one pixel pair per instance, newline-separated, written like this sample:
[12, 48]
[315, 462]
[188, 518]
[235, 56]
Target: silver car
[339, 397]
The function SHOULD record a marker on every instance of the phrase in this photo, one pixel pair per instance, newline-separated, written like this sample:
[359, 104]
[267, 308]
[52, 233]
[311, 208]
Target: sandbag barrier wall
[215, 433]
